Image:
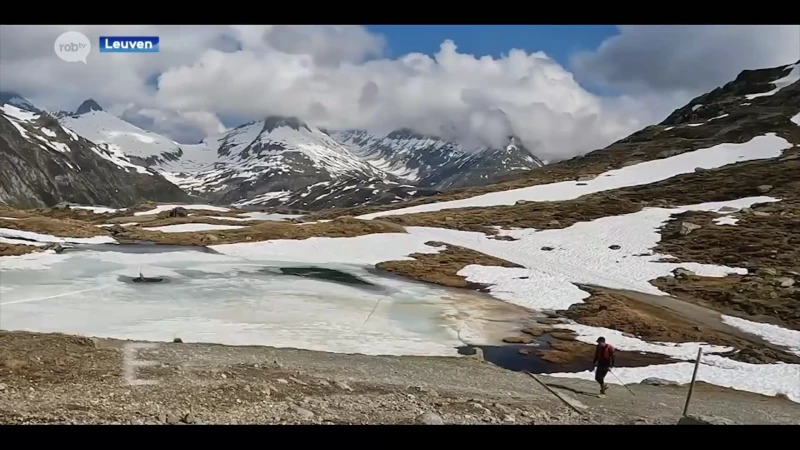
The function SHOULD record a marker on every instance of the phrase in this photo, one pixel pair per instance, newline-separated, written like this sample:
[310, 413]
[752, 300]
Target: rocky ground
[52, 378]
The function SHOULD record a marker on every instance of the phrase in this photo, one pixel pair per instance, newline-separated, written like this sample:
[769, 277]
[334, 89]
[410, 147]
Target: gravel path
[51, 378]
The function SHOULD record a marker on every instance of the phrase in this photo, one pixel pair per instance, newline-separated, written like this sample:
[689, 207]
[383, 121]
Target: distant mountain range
[93, 157]
[275, 162]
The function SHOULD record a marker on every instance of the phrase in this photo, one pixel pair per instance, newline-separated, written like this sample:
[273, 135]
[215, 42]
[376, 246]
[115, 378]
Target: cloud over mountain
[338, 78]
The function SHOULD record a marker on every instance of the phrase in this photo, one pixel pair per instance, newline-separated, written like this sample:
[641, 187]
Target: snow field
[190, 227]
[580, 255]
[47, 238]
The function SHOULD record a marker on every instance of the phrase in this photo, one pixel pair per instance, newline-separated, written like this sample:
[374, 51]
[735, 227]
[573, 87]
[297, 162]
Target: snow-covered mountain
[271, 155]
[282, 159]
[431, 162]
[142, 147]
[14, 99]
[44, 163]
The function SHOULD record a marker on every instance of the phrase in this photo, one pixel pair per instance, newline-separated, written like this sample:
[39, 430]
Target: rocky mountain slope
[431, 162]
[277, 154]
[44, 163]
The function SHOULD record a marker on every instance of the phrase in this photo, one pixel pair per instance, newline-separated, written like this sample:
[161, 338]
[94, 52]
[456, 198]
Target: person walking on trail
[602, 363]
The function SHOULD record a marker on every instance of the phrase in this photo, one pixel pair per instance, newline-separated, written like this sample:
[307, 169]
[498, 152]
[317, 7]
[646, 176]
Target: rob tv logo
[129, 44]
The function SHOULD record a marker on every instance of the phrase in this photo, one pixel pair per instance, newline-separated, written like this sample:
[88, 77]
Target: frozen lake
[213, 298]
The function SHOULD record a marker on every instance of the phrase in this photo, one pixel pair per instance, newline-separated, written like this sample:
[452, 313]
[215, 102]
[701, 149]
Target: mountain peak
[88, 106]
[273, 122]
[12, 98]
[405, 133]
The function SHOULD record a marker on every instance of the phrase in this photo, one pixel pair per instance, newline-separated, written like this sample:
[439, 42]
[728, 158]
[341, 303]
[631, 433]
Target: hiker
[602, 363]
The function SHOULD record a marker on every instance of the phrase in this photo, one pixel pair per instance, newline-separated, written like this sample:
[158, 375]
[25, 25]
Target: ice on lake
[213, 298]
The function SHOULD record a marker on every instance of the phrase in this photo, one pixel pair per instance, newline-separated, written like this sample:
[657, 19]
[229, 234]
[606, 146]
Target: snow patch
[788, 80]
[771, 333]
[6, 240]
[188, 227]
[114, 155]
[19, 114]
[96, 209]
[48, 132]
[725, 220]
[38, 237]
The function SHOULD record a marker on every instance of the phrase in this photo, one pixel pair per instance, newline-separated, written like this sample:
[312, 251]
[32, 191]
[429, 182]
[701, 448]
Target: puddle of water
[518, 357]
[208, 297]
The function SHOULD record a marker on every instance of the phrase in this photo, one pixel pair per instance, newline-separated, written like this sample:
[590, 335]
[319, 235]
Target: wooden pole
[694, 378]
[555, 393]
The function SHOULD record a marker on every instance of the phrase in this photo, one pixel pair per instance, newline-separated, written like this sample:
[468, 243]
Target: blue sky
[558, 41]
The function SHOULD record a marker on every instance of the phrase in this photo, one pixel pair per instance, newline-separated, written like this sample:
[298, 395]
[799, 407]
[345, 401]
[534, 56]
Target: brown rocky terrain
[766, 240]
[54, 378]
[16, 249]
[442, 268]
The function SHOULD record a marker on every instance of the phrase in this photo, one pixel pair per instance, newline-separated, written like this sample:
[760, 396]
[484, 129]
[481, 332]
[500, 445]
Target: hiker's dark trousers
[600, 374]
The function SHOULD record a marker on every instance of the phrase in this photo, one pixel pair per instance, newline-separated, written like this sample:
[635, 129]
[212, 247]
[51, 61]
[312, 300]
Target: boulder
[668, 154]
[764, 188]
[680, 272]
[766, 272]
[785, 282]
[430, 418]
[687, 228]
[655, 381]
[115, 229]
[547, 249]
[614, 247]
[178, 212]
[520, 202]
[302, 412]
[692, 419]
[582, 178]
[58, 248]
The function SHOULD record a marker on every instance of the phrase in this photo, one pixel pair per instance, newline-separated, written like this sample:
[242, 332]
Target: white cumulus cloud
[337, 77]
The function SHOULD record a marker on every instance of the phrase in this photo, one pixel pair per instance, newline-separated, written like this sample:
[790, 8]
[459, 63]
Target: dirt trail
[66, 379]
